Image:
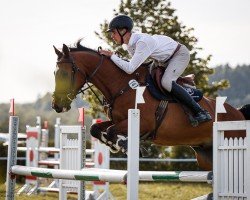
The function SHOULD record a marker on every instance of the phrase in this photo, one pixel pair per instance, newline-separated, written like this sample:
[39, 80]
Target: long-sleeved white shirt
[142, 46]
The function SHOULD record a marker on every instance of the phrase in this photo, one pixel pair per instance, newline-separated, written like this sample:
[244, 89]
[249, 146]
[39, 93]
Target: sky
[30, 28]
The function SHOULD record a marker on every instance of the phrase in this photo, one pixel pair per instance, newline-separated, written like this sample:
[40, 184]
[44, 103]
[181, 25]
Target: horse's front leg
[98, 130]
[103, 131]
[117, 136]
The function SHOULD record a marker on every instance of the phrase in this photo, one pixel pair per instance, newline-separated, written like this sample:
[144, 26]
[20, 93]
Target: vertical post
[133, 154]
[72, 157]
[247, 160]
[12, 157]
[82, 153]
[57, 137]
[215, 160]
[82, 160]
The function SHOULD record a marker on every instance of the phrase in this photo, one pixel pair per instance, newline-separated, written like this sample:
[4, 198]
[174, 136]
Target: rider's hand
[106, 53]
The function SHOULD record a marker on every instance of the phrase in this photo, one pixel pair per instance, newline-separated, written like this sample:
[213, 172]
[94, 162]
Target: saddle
[157, 91]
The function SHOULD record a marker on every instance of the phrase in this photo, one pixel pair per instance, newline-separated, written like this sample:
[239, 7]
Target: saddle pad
[158, 94]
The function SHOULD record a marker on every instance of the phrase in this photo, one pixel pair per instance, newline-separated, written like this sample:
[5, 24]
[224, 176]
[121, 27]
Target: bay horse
[80, 65]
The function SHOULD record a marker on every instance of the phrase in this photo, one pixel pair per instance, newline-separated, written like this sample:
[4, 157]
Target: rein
[72, 93]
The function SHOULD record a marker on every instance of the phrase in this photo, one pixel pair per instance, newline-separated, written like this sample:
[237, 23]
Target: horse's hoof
[124, 151]
[112, 147]
[113, 150]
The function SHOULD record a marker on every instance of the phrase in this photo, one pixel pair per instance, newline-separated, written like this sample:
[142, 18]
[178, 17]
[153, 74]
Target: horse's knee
[111, 133]
[95, 130]
[111, 130]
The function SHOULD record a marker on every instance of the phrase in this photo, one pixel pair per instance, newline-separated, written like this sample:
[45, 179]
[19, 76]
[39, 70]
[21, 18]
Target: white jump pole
[12, 157]
[133, 154]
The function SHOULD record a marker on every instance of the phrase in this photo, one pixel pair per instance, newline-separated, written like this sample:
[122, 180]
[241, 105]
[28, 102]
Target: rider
[173, 55]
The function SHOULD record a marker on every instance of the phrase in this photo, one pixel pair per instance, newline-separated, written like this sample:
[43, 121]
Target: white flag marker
[139, 95]
[219, 108]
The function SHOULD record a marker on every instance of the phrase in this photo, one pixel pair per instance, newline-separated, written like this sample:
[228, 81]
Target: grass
[147, 191]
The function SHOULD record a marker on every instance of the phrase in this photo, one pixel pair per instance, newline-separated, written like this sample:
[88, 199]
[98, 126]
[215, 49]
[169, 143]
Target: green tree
[96, 109]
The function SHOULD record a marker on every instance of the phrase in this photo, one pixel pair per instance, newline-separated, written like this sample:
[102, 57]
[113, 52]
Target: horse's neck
[109, 79]
[112, 81]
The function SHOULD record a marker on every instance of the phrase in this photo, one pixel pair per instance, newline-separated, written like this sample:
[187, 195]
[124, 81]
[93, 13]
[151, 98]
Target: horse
[80, 65]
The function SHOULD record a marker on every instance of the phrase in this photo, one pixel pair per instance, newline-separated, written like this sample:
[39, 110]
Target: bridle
[71, 94]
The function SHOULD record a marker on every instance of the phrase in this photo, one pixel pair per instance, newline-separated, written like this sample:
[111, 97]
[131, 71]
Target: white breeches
[175, 67]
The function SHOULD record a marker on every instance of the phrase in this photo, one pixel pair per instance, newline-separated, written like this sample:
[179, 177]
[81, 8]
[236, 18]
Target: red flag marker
[98, 121]
[81, 115]
[45, 124]
[12, 108]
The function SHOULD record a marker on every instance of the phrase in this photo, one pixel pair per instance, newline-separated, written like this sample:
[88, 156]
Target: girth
[160, 113]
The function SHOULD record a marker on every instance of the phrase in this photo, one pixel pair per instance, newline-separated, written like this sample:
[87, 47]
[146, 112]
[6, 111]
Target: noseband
[71, 94]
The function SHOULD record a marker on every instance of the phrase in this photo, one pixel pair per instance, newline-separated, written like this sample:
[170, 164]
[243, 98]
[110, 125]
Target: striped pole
[52, 150]
[12, 157]
[109, 175]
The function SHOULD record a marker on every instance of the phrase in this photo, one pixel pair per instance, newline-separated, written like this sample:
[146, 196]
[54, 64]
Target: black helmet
[120, 22]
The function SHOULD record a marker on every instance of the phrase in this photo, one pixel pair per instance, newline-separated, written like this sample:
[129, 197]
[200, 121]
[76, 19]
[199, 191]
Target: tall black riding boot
[182, 95]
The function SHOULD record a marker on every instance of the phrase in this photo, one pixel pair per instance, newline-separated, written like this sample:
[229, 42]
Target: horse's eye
[64, 74]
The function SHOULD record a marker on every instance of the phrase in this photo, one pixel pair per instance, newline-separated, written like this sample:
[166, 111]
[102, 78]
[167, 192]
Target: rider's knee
[166, 84]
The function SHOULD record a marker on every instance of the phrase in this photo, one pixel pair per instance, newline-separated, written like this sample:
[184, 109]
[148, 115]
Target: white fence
[231, 162]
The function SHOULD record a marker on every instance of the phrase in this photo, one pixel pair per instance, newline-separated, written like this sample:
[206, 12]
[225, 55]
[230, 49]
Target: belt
[176, 49]
[163, 63]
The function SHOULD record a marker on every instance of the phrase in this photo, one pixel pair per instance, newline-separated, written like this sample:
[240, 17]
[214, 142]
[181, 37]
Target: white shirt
[141, 46]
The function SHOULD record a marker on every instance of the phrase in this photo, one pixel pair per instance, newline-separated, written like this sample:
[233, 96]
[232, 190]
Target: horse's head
[68, 80]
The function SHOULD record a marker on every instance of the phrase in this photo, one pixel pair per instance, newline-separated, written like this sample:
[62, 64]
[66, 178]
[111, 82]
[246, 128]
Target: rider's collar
[133, 39]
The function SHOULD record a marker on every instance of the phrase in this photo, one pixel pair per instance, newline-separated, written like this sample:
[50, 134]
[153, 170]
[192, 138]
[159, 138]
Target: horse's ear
[65, 50]
[58, 53]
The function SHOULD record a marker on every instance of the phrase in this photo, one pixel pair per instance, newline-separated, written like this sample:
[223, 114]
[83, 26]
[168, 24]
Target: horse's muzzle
[60, 109]
[57, 108]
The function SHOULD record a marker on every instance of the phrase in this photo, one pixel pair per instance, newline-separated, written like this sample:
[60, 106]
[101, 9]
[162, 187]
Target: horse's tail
[245, 110]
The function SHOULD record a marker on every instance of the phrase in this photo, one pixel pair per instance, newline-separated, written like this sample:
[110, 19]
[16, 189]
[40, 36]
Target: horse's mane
[79, 47]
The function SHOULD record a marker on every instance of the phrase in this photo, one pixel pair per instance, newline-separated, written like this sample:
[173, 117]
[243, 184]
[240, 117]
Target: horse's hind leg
[204, 157]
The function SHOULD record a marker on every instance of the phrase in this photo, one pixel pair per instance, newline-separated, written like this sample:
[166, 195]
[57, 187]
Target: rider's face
[115, 36]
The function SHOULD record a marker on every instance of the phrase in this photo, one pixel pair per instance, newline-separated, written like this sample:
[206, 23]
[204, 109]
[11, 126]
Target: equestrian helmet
[120, 22]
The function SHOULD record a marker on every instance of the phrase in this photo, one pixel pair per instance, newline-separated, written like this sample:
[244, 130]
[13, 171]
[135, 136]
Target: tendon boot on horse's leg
[121, 143]
[98, 134]
[200, 114]
[118, 142]
[97, 131]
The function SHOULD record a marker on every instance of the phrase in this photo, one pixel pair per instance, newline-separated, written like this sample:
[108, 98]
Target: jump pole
[133, 154]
